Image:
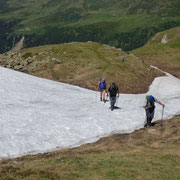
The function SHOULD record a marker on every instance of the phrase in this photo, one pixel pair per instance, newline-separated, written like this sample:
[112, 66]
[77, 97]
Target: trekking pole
[117, 101]
[97, 93]
[162, 115]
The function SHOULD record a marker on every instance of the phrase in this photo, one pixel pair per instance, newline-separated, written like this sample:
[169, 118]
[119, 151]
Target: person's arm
[156, 100]
[161, 104]
[145, 106]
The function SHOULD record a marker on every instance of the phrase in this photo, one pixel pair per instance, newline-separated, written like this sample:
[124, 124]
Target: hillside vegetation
[122, 23]
[163, 51]
[83, 64]
[144, 154]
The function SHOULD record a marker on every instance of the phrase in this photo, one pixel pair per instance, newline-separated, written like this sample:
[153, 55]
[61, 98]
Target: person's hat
[102, 79]
[113, 84]
[149, 97]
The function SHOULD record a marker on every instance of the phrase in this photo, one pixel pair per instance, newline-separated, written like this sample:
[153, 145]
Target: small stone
[123, 59]
[18, 67]
[58, 61]
[29, 60]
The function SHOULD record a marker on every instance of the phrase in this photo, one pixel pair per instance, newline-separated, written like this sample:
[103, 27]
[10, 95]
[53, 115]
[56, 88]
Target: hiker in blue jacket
[102, 86]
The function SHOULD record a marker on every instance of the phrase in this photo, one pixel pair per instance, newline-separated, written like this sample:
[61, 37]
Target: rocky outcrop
[26, 62]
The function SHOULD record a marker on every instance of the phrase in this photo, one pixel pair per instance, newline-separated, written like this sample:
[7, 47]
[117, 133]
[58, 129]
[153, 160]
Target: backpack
[102, 85]
[150, 103]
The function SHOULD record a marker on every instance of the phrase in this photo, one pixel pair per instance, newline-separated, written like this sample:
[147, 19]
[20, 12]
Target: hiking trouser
[113, 101]
[150, 116]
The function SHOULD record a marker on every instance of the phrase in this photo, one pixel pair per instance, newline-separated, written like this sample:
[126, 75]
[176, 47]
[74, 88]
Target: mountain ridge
[111, 22]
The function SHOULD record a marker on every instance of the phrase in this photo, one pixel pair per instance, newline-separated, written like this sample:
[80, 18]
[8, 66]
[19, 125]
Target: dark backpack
[150, 104]
[113, 91]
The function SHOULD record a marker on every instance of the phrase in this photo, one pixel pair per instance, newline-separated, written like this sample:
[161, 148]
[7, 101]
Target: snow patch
[39, 115]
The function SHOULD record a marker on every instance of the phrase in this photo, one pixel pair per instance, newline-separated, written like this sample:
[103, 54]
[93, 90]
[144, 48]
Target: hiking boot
[100, 98]
[104, 100]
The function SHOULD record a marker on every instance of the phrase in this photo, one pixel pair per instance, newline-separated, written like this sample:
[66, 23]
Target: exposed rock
[42, 53]
[9, 66]
[123, 59]
[34, 57]
[18, 67]
[108, 47]
[29, 60]
[164, 40]
[58, 61]
[43, 62]
[24, 63]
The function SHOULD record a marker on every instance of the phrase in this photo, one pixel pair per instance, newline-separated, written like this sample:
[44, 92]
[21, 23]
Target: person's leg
[148, 114]
[104, 93]
[151, 117]
[100, 95]
[113, 101]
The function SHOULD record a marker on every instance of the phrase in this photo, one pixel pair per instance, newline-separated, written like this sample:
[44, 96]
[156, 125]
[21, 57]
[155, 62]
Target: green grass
[93, 166]
[84, 64]
[124, 156]
[165, 56]
[104, 20]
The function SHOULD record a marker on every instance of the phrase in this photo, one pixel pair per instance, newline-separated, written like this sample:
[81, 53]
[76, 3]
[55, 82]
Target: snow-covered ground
[38, 115]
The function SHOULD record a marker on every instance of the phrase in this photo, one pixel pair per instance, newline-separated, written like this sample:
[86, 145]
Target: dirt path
[19, 45]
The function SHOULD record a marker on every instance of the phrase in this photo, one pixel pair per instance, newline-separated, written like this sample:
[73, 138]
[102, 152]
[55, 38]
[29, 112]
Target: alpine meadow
[126, 24]
[89, 89]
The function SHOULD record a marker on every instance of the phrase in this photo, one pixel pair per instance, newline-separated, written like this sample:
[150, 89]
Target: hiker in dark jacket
[102, 86]
[113, 92]
[150, 108]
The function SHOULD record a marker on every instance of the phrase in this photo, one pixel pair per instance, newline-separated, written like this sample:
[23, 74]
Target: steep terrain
[163, 51]
[39, 115]
[145, 154]
[121, 23]
[83, 64]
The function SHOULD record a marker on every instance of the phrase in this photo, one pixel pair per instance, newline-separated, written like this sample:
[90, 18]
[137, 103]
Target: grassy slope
[104, 17]
[164, 56]
[145, 154]
[84, 64]
[37, 15]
